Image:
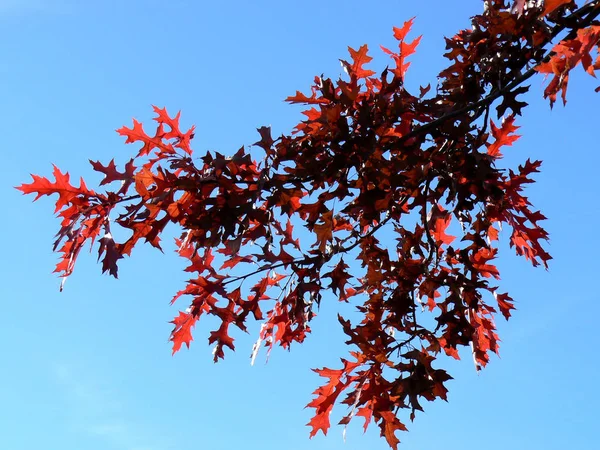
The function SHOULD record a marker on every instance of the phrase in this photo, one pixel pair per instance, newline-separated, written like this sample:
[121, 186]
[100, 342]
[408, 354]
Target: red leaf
[400, 33]
[502, 136]
[389, 425]
[266, 141]
[289, 204]
[312, 100]
[339, 278]
[172, 123]
[439, 223]
[235, 260]
[367, 413]
[505, 303]
[360, 58]
[112, 255]
[182, 333]
[480, 262]
[137, 134]
[320, 422]
[182, 139]
[66, 192]
[111, 173]
[287, 234]
[221, 336]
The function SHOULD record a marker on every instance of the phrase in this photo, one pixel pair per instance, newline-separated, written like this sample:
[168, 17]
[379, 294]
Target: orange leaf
[325, 230]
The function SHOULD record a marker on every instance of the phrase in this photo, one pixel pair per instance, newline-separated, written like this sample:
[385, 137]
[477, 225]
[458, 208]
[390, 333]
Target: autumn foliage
[407, 188]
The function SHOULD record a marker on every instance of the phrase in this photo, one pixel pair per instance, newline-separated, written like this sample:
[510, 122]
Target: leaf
[111, 255]
[565, 56]
[301, 98]
[505, 303]
[61, 186]
[503, 136]
[509, 100]
[326, 396]
[405, 49]
[389, 426]
[235, 260]
[439, 223]
[320, 422]
[480, 262]
[221, 336]
[182, 139]
[367, 413]
[324, 231]
[287, 234]
[289, 203]
[111, 173]
[182, 333]
[173, 123]
[339, 277]
[266, 141]
[144, 179]
[401, 33]
[551, 5]
[360, 57]
[137, 134]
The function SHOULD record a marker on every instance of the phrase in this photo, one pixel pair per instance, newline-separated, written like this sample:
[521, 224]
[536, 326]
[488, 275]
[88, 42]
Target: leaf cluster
[408, 185]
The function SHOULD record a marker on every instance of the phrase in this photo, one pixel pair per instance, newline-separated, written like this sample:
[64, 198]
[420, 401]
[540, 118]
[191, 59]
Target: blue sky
[91, 368]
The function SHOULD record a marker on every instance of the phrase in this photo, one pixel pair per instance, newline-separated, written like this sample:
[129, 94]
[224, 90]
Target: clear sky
[91, 368]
